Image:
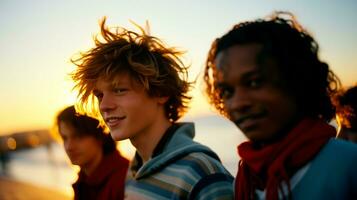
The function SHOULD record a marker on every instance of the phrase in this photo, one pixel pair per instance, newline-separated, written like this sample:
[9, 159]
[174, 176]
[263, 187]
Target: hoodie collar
[138, 162]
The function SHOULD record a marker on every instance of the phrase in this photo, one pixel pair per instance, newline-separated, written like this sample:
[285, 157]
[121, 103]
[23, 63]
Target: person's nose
[107, 103]
[240, 102]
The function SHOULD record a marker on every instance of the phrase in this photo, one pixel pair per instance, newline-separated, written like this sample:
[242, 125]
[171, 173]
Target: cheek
[228, 104]
[144, 107]
[65, 146]
[92, 149]
[278, 99]
[68, 145]
[279, 105]
[89, 143]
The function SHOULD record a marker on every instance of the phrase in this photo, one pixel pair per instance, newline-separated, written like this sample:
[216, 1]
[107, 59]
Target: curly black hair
[305, 76]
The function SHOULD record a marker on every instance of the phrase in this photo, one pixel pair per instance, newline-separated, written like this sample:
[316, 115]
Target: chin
[75, 162]
[255, 136]
[116, 138]
[117, 135]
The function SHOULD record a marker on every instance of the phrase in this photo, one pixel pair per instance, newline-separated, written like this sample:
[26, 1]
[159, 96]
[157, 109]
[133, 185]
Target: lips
[250, 121]
[113, 121]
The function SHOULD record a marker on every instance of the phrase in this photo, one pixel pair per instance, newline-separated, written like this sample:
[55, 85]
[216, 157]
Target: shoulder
[118, 158]
[215, 181]
[341, 143]
[115, 163]
[203, 166]
[340, 150]
[331, 173]
[113, 187]
[205, 162]
[337, 155]
[116, 167]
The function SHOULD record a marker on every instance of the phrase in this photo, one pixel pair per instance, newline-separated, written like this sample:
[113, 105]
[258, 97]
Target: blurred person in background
[266, 77]
[346, 105]
[103, 170]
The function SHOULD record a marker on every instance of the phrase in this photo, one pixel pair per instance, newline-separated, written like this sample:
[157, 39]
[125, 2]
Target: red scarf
[272, 161]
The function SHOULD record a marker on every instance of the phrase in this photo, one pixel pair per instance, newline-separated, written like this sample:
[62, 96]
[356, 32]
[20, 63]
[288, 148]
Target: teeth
[114, 119]
[111, 120]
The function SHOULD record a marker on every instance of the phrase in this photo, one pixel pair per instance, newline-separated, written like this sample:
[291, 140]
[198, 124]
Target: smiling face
[251, 97]
[126, 107]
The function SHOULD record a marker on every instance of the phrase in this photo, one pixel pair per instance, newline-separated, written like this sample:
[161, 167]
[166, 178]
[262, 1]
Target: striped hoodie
[179, 169]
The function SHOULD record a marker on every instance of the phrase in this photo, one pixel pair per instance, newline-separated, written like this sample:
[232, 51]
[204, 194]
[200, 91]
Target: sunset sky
[38, 38]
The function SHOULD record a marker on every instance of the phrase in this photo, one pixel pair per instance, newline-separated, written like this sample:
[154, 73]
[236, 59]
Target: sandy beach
[11, 190]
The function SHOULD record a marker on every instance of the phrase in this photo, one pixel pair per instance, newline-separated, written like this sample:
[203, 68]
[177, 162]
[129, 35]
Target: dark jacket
[106, 182]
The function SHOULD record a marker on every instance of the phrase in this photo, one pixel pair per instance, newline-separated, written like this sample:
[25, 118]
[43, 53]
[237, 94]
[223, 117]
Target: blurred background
[38, 38]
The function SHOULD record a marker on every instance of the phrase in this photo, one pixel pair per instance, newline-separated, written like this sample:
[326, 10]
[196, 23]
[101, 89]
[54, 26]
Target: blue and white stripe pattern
[184, 170]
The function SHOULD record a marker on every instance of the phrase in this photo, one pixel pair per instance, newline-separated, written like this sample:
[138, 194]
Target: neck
[89, 168]
[146, 142]
[279, 136]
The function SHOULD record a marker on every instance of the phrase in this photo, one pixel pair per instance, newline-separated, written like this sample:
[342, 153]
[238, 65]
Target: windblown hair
[305, 77]
[147, 60]
[346, 106]
[86, 126]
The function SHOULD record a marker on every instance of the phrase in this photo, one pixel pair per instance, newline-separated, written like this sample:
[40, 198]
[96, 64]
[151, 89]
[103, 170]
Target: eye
[254, 82]
[79, 136]
[119, 91]
[225, 92]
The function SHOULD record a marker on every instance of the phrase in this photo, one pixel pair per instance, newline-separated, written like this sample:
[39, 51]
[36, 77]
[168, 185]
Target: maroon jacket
[107, 181]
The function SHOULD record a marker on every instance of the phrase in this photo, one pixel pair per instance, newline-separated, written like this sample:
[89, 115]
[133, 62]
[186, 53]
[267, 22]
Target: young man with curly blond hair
[141, 88]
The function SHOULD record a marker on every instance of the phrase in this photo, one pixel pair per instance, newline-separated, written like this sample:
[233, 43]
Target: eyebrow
[251, 73]
[245, 75]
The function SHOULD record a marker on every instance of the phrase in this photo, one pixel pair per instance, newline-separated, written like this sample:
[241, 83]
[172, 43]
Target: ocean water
[49, 166]
[43, 166]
